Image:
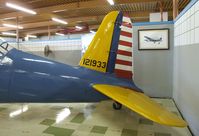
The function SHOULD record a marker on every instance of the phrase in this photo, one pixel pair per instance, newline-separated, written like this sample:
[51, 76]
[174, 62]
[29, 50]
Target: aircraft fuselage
[29, 78]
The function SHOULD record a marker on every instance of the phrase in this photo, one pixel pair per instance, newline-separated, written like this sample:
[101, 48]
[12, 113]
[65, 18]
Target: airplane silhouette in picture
[148, 39]
[104, 72]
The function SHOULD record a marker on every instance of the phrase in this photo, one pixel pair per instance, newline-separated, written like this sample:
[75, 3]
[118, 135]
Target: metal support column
[49, 32]
[175, 9]
[161, 9]
[17, 32]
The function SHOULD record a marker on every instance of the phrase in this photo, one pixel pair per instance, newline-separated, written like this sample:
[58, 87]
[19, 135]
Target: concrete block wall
[64, 51]
[187, 27]
[186, 64]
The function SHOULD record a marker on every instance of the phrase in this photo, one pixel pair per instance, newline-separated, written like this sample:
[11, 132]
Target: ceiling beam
[72, 6]
[50, 22]
[136, 1]
[69, 6]
[175, 8]
[73, 21]
[183, 4]
[52, 29]
[145, 14]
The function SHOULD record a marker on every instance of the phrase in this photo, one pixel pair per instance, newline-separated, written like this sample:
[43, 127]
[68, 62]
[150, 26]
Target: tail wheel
[117, 106]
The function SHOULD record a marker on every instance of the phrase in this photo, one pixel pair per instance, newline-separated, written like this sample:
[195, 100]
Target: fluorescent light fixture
[60, 34]
[111, 2]
[59, 21]
[8, 18]
[57, 11]
[8, 33]
[31, 36]
[13, 26]
[78, 27]
[91, 31]
[20, 8]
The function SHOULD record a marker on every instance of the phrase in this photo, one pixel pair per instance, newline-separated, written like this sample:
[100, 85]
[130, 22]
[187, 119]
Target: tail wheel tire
[117, 106]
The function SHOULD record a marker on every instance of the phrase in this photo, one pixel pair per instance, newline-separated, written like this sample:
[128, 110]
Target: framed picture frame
[153, 39]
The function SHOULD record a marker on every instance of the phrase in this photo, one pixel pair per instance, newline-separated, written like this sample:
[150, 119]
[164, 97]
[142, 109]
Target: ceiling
[89, 12]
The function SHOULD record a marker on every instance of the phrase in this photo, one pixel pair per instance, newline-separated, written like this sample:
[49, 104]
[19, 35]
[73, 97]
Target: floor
[81, 119]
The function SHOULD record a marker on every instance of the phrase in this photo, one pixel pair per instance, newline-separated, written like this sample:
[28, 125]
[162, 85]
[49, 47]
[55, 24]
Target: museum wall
[153, 69]
[70, 57]
[57, 37]
[186, 66]
[66, 51]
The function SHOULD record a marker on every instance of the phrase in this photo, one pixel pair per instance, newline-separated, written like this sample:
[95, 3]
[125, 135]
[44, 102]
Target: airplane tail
[111, 48]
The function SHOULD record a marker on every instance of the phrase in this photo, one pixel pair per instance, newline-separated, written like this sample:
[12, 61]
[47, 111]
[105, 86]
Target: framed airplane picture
[153, 39]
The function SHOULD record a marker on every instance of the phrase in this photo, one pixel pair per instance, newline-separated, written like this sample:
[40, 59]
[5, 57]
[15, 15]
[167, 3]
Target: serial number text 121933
[94, 63]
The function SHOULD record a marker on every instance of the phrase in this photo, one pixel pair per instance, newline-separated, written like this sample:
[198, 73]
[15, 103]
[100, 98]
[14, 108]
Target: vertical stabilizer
[97, 54]
[111, 49]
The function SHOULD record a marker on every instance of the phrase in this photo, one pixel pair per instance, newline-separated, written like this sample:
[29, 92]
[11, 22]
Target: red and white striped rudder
[124, 58]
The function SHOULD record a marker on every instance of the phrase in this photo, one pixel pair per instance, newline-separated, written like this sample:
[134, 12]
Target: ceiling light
[8, 18]
[57, 11]
[78, 27]
[91, 31]
[111, 2]
[8, 33]
[13, 26]
[59, 21]
[20, 8]
[60, 34]
[32, 36]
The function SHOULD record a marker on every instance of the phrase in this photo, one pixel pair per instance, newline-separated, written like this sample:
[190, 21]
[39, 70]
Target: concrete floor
[81, 119]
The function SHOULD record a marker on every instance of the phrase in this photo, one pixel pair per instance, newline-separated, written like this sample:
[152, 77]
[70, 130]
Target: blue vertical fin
[114, 44]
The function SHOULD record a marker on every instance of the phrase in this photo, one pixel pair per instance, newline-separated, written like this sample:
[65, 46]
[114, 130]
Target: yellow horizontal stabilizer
[141, 104]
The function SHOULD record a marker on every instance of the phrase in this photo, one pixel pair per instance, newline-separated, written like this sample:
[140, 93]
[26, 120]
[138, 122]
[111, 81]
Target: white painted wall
[156, 17]
[186, 66]
[86, 40]
[154, 68]
[65, 51]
